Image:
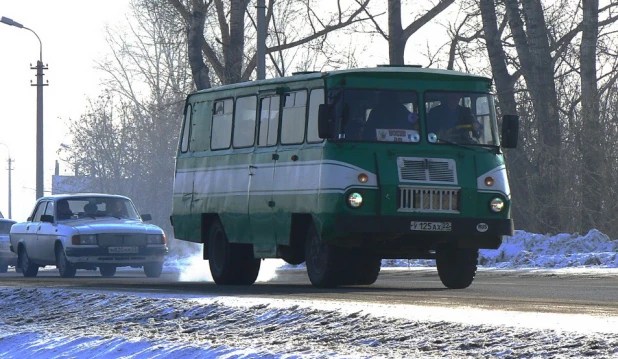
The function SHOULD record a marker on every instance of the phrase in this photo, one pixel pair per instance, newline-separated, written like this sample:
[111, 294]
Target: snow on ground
[48, 323]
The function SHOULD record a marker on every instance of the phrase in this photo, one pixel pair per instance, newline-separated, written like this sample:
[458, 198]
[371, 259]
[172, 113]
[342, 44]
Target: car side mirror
[146, 217]
[47, 218]
[325, 121]
[510, 131]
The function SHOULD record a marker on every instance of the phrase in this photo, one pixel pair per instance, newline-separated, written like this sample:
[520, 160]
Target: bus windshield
[372, 115]
[460, 117]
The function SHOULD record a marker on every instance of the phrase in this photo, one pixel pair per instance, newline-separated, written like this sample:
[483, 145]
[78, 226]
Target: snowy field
[47, 323]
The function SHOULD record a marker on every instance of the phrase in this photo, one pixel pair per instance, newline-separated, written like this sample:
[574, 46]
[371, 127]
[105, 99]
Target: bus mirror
[325, 121]
[510, 131]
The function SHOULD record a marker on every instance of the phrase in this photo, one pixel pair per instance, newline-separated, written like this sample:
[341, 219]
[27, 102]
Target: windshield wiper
[470, 147]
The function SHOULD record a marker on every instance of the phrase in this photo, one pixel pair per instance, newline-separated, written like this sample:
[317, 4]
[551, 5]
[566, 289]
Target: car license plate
[430, 226]
[123, 249]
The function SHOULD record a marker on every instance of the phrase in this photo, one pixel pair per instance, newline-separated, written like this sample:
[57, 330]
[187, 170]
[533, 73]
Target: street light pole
[9, 161]
[39, 106]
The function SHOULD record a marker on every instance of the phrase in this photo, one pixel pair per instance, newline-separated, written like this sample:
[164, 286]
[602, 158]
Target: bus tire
[358, 267]
[457, 266]
[230, 263]
[368, 268]
[323, 260]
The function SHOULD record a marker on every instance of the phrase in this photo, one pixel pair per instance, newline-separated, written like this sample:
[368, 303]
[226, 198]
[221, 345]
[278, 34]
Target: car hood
[112, 225]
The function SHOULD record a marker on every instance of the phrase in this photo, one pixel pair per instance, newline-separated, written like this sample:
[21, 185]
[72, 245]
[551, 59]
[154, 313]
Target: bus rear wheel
[457, 266]
[230, 263]
[324, 261]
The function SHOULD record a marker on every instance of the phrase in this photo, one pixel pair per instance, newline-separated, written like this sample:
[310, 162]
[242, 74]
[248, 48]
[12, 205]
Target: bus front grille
[432, 170]
[438, 200]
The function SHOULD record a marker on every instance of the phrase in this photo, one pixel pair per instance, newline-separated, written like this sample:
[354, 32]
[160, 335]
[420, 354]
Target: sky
[72, 38]
[72, 34]
[62, 323]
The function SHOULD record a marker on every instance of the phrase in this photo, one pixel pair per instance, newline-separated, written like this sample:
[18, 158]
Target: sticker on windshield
[397, 135]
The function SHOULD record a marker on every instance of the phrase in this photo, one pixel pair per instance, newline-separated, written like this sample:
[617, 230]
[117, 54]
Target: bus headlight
[355, 200]
[496, 205]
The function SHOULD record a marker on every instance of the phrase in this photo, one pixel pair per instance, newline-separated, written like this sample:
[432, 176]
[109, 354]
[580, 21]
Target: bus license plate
[430, 226]
[123, 250]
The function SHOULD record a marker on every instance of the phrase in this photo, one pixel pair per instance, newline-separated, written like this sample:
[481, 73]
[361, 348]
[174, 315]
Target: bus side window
[269, 121]
[222, 124]
[316, 98]
[293, 117]
[244, 122]
[186, 130]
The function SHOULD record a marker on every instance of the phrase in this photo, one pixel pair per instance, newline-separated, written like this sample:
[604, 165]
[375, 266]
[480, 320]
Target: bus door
[290, 172]
[262, 175]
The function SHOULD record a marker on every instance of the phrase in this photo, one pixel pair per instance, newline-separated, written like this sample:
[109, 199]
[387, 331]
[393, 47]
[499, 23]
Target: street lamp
[39, 107]
[9, 161]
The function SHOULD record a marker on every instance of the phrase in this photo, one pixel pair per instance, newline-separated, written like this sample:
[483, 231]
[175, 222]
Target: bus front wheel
[230, 263]
[457, 266]
[323, 261]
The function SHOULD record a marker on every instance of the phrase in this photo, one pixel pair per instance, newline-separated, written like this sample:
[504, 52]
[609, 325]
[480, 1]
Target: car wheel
[107, 270]
[230, 263]
[28, 268]
[65, 268]
[153, 270]
[4, 267]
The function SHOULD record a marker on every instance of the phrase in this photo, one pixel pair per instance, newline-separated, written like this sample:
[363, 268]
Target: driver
[449, 115]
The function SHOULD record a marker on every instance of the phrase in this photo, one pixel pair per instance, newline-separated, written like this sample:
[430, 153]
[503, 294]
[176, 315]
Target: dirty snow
[51, 323]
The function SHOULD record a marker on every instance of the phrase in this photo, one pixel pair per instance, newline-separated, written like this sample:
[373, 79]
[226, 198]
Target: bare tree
[221, 29]
[591, 151]
[126, 140]
[398, 35]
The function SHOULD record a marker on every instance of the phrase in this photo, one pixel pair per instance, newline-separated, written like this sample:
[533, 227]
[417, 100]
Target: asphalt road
[544, 291]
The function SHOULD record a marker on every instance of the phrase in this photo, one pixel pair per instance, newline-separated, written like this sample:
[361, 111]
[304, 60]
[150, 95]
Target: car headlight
[156, 238]
[84, 239]
[355, 199]
[496, 205]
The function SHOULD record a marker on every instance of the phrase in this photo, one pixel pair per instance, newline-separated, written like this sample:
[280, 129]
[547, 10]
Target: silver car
[88, 231]
[7, 258]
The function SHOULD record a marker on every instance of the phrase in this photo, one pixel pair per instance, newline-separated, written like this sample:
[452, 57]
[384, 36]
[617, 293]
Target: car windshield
[81, 207]
[460, 117]
[5, 227]
[370, 115]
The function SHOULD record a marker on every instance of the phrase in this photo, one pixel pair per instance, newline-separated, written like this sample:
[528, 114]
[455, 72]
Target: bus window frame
[307, 114]
[186, 129]
[255, 125]
[212, 127]
[306, 118]
[268, 95]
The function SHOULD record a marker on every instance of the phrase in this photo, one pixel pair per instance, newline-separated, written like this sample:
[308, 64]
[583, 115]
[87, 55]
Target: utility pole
[10, 168]
[10, 162]
[39, 106]
[261, 39]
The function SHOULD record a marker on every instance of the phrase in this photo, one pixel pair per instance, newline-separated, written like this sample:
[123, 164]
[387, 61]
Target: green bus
[342, 169]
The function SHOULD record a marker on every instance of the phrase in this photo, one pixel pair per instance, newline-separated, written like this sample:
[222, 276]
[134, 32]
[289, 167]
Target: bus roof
[411, 70]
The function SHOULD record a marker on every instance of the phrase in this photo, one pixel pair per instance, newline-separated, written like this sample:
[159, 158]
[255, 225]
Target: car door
[32, 228]
[46, 237]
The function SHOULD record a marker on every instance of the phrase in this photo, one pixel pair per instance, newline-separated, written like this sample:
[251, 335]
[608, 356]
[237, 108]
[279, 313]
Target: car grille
[427, 170]
[116, 239]
[440, 200]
